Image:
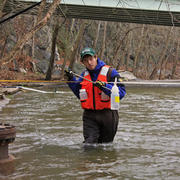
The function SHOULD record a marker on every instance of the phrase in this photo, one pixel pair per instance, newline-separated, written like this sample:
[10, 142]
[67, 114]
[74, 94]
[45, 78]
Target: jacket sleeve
[122, 90]
[75, 85]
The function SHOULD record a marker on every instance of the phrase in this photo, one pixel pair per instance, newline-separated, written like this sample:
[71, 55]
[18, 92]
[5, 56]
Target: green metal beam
[155, 12]
[163, 5]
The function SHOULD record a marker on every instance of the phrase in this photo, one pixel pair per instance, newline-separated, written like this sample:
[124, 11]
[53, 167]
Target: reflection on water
[49, 137]
[7, 168]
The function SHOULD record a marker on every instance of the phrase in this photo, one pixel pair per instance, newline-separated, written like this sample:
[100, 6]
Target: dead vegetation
[150, 52]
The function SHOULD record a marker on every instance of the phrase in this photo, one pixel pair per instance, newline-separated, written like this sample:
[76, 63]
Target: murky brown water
[49, 137]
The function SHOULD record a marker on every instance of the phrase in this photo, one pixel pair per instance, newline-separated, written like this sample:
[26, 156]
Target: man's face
[90, 61]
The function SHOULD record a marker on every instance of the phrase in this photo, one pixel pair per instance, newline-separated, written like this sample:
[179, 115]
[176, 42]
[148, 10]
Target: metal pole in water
[7, 135]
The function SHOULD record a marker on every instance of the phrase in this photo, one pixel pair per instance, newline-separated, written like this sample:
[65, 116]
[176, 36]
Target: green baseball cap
[87, 51]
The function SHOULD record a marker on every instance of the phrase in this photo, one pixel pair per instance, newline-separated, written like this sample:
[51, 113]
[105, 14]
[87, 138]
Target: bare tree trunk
[53, 49]
[76, 44]
[104, 41]
[16, 50]
[164, 52]
[37, 19]
[147, 54]
[63, 68]
[97, 35]
[174, 40]
[154, 72]
[166, 62]
[66, 55]
[119, 45]
[40, 11]
[2, 7]
[72, 26]
[33, 38]
[117, 49]
[128, 50]
[147, 65]
[122, 59]
[175, 60]
[135, 66]
[4, 46]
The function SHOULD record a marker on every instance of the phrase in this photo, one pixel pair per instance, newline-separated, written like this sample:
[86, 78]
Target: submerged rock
[9, 90]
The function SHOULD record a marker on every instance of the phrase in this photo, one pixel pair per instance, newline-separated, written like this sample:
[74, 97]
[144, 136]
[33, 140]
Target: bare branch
[29, 35]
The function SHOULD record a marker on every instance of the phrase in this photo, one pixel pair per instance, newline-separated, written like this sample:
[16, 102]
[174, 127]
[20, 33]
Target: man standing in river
[99, 121]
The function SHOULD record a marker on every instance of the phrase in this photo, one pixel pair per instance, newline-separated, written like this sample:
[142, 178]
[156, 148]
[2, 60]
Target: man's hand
[100, 84]
[68, 74]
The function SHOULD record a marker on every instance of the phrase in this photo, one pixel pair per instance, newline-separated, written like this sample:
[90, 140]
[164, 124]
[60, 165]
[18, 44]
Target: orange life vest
[94, 98]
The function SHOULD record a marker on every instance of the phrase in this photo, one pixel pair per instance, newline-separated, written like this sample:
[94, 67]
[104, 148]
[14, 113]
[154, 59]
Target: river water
[49, 137]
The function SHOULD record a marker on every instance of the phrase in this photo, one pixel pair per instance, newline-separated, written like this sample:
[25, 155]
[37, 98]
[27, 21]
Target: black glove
[68, 74]
[100, 84]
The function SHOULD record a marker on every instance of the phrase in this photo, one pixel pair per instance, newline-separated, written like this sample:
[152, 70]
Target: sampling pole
[87, 79]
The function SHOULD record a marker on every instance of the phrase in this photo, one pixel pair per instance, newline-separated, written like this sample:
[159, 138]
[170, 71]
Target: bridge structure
[154, 12]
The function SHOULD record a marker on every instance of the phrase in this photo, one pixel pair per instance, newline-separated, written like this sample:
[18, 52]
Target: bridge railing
[155, 12]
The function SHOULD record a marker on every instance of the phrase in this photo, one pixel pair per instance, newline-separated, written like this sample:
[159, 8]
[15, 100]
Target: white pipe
[36, 90]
